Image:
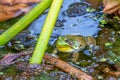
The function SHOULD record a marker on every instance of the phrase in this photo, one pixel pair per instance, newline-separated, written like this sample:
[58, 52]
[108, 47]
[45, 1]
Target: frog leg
[54, 52]
[75, 57]
[91, 43]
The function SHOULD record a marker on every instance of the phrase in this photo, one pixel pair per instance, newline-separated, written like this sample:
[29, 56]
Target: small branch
[107, 70]
[10, 59]
[67, 67]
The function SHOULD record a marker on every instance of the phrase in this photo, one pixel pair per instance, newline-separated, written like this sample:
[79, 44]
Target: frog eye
[69, 41]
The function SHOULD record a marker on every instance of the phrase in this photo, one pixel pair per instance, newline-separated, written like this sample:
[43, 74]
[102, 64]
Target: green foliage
[89, 9]
[114, 52]
[116, 17]
[43, 76]
[108, 44]
[102, 23]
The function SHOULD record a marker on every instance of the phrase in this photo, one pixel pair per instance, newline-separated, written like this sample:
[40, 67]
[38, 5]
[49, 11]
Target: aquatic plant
[24, 22]
[46, 32]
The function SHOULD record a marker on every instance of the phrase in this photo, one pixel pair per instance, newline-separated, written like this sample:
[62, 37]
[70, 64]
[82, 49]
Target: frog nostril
[71, 43]
[81, 45]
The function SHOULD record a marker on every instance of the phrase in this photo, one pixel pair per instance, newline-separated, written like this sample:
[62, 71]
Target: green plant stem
[46, 32]
[24, 22]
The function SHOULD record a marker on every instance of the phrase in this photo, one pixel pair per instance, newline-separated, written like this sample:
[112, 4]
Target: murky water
[85, 24]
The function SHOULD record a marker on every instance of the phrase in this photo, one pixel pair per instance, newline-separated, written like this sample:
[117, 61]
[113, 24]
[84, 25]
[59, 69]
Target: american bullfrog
[74, 44]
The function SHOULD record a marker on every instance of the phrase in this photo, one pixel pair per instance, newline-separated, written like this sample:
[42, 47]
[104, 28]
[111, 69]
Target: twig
[67, 67]
[52, 60]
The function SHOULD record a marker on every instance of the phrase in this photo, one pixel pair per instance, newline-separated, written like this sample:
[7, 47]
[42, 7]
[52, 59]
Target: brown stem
[10, 59]
[67, 67]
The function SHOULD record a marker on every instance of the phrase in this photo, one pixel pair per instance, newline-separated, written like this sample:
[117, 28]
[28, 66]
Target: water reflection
[85, 25]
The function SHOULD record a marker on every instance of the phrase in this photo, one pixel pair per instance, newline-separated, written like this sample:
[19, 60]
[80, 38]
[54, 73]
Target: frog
[74, 44]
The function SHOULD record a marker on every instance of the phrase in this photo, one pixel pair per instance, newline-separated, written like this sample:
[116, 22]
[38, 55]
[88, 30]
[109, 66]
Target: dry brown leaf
[12, 2]
[13, 8]
[111, 6]
[110, 3]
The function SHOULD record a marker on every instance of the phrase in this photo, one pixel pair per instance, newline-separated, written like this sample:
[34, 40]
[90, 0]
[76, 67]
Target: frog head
[69, 43]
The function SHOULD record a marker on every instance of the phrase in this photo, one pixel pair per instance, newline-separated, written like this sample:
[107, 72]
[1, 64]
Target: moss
[43, 76]
[114, 52]
[8, 23]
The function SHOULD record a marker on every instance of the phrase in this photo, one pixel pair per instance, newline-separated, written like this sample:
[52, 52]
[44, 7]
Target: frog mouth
[65, 48]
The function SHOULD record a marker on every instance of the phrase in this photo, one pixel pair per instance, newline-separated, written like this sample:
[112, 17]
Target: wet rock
[23, 41]
[60, 23]
[62, 76]
[76, 9]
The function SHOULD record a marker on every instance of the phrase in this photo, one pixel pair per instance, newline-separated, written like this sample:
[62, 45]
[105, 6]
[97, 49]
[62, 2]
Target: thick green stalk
[24, 22]
[46, 32]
